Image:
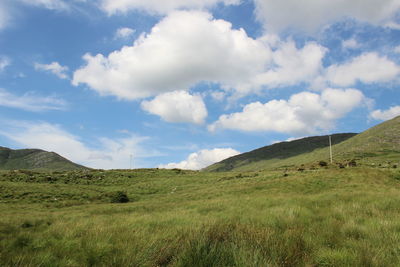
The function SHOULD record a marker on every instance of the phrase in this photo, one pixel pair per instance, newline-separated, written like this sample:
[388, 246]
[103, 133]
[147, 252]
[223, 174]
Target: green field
[321, 217]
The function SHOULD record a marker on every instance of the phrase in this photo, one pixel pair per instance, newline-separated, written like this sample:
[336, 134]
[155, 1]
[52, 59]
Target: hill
[377, 145]
[29, 159]
[275, 153]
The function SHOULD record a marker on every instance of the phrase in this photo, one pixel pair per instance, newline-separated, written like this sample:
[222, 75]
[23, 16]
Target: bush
[323, 163]
[119, 197]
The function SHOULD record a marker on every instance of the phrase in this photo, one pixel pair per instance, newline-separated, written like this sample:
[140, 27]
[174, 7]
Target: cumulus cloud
[160, 7]
[397, 49]
[366, 68]
[55, 68]
[183, 49]
[177, 106]
[292, 65]
[202, 159]
[311, 15]
[124, 32]
[385, 114]
[110, 154]
[303, 113]
[189, 47]
[30, 102]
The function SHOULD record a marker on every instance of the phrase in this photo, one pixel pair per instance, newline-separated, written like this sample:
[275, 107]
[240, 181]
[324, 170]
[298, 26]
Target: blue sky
[187, 83]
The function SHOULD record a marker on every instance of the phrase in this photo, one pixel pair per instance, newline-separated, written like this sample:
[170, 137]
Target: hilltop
[377, 145]
[34, 159]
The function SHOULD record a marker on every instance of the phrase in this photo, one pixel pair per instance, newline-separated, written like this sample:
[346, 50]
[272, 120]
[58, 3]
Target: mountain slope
[377, 145]
[34, 159]
[277, 152]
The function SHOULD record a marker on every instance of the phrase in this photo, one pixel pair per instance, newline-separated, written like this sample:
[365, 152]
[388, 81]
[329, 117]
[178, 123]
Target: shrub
[27, 224]
[119, 197]
[323, 163]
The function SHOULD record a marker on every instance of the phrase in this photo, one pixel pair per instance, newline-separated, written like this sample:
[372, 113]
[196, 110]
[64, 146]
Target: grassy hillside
[379, 145]
[324, 217]
[34, 159]
[275, 153]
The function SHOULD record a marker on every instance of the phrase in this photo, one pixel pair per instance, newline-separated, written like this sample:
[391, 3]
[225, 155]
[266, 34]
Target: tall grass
[327, 217]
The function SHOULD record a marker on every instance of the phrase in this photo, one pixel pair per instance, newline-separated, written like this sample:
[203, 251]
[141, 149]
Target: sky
[185, 83]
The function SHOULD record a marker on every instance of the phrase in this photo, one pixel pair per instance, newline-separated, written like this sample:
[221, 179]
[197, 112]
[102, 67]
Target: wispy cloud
[55, 68]
[4, 14]
[31, 102]
[48, 4]
[108, 153]
[123, 33]
[4, 62]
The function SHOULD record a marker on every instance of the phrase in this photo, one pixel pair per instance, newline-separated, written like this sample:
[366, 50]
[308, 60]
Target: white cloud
[8, 8]
[187, 48]
[350, 44]
[55, 68]
[218, 95]
[303, 113]
[397, 49]
[393, 25]
[124, 32]
[4, 15]
[49, 4]
[385, 114]
[4, 63]
[31, 102]
[183, 49]
[366, 68]
[111, 154]
[292, 65]
[160, 7]
[177, 106]
[311, 15]
[202, 159]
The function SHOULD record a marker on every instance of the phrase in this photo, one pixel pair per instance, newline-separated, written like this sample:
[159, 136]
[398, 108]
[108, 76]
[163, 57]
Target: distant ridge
[29, 159]
[377, 145]
[278, 151]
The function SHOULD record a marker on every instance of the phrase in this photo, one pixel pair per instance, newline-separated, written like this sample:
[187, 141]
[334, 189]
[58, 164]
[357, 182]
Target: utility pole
[330, 148]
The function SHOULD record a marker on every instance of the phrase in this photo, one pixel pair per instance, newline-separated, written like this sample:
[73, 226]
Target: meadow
[317, 217]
